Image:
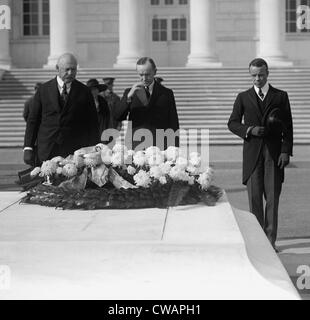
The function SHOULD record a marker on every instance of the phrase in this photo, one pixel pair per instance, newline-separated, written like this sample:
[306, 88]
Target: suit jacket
[104, 115]
[27, 107]
[246, 113]
[69, 128]
[159, 113]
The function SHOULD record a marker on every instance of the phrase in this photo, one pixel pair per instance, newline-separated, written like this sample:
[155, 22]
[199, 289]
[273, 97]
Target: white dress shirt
[151, 87]
[61, 84]
[265, 90]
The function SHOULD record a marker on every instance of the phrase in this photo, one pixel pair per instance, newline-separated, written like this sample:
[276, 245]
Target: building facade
[177, 33]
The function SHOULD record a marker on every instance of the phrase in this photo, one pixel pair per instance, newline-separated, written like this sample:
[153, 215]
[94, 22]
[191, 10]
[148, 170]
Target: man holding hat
[103, 111]
[113, 101]
[262, 118]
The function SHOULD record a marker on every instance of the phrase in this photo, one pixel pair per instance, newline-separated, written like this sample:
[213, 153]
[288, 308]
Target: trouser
[266, 182]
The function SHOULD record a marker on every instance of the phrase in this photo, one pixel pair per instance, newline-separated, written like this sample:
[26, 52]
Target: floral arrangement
[99, 177]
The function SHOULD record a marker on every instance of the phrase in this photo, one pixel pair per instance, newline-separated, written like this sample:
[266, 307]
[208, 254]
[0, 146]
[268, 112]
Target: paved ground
[294, 219]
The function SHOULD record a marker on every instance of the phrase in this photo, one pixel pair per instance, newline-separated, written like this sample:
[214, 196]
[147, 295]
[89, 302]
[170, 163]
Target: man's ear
[57, 67]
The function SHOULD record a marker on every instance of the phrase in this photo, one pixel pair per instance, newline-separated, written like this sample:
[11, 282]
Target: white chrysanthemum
[92, 160]
[149, 152]
[156, 173]
[106, 156]
[59, 171]
[181, 162]
[80, 152]
[205, 179]
[166, 167]
[139, 159]
[48, 168]
[155, 159]
[78, 161]
[175, 173]
[117, 159]
[142, 179]
[130, 153]
[195, 159]
[101, 147]
[69, 159]
[163, 180]
[191, 180]
[192, 170]
[35, 172]
[172, 153]
[178, 174]
[69, 170]
[120, 148]
[131, 170]
[58, 159]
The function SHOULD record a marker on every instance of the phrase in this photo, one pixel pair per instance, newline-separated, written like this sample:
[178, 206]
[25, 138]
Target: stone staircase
[204, 98]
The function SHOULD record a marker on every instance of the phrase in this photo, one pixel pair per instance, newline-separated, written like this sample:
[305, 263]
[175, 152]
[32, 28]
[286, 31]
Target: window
[168, 2]
[160, 28]
[36, 18]
[292, 16]
[179, 27]
[169, 29]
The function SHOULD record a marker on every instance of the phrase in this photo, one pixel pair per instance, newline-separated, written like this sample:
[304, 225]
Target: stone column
[62, 30]
[203, 34]
[131, 33]
[5, 27]
[272, 32]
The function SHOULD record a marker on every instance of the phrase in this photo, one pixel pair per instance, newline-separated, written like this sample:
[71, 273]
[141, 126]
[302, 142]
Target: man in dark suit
[152, 110]
[262, 117]
[63, 118]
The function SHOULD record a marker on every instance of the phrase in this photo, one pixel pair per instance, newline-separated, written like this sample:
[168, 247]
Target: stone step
[204, 97]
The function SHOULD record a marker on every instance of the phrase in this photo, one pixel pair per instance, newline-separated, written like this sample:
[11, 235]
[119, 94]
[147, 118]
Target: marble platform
[192, 252]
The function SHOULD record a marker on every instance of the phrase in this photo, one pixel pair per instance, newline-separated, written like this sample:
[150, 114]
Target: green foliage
[108, 197]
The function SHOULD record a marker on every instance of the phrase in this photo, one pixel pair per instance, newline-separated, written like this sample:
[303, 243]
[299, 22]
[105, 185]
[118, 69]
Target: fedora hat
[274, 122]
[108, 80]
[93, 83]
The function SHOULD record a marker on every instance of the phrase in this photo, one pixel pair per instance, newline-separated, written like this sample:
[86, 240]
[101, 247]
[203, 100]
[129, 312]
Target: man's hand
[258, 131]
[29, 157]
[135, 87]
[284, 160]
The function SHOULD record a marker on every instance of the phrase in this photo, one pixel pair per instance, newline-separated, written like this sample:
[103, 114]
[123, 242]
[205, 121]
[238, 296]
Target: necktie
[148, 94]
[64, 94]
[260, 93]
